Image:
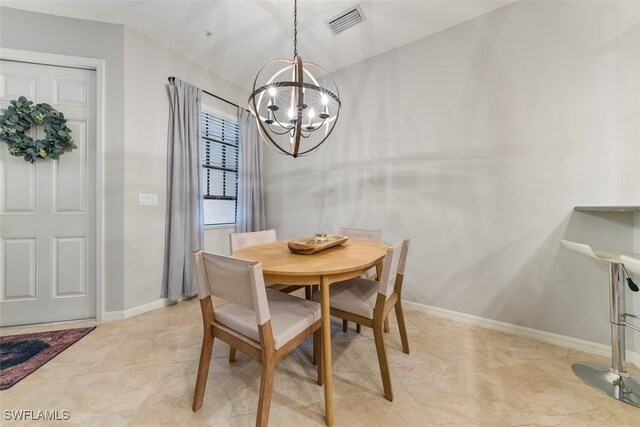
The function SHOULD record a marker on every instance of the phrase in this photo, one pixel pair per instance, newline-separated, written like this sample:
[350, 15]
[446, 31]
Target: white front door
[47, 209]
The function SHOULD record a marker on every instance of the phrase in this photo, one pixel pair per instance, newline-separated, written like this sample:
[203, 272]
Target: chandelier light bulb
[311, 114]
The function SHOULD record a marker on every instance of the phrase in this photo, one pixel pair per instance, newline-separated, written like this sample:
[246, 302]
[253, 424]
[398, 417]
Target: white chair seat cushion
[357, 296]
[276, 287]
[290, 315]
[369, 274]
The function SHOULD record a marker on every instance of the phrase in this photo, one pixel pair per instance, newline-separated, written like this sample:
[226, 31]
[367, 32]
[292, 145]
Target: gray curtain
[184, 229]
[250, 216]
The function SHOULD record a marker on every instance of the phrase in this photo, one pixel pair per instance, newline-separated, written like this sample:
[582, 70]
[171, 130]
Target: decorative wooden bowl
[310, 245]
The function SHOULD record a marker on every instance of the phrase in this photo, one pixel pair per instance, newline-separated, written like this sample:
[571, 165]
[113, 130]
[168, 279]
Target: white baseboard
[521, 331]
[153, 305]
[134, 311]
[109, 316]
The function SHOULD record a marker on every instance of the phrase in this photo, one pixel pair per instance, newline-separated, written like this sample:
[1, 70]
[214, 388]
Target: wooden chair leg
[232, 354]
[378, 336]
[386, 325]
[308, 292]
[266, 389]
[402, 327]
[314, 352]
[317, 354]
[203, 370]
[345, 326]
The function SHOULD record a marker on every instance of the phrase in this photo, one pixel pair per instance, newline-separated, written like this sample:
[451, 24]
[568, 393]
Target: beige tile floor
[141, 371]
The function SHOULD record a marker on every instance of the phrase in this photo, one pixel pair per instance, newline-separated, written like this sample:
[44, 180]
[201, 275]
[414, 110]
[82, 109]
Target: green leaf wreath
[18, 118]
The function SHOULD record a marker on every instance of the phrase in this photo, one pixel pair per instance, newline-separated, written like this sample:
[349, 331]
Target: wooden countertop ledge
[607, 208]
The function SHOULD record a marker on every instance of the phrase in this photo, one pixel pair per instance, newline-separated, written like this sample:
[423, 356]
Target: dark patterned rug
[20, 355]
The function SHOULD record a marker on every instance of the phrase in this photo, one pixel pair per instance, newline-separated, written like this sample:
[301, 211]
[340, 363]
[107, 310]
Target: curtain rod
[172, 79]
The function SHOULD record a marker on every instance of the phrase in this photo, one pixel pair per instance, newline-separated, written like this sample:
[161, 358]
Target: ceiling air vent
[346, 19]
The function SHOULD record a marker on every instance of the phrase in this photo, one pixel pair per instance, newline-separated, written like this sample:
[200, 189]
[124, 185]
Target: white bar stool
[614, 381]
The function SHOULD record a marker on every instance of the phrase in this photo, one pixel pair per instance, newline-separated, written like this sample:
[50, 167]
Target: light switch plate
[147, 199]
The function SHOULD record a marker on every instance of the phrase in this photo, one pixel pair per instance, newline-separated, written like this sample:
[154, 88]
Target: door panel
[69, 272]
[13, 86]
[47, 209]
[68, 92]
[70, 174]
[18, 262]
[17, 199]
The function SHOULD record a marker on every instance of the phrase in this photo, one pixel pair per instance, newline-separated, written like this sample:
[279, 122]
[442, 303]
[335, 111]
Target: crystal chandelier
[296, 104]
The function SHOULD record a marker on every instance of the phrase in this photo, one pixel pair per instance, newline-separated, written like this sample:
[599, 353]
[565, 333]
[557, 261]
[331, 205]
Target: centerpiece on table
[317, 243]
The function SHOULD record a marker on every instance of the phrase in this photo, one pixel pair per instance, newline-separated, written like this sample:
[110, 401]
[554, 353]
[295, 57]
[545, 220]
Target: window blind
[220, 137]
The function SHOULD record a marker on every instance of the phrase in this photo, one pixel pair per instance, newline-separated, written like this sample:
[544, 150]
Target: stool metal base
[624, 388]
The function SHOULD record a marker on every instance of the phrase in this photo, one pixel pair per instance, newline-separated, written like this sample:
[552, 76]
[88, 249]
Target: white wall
[147, 65]
[477, 142]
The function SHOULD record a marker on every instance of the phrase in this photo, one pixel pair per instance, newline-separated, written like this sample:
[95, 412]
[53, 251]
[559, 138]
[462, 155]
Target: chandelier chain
[295, 28]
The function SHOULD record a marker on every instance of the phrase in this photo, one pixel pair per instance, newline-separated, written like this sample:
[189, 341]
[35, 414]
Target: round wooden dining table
[281, 266]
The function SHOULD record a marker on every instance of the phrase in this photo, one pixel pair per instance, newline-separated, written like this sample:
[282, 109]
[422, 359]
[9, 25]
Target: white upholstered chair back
[403, 257]
[235, 280]
[632, 264]
[361, 233]
[239, 241]
[390, 267]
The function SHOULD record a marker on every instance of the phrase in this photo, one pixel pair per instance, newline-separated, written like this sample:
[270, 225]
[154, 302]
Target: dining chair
[369, 303]
[367, 234]
[264, 324]
[361, 233]
[239, 241]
